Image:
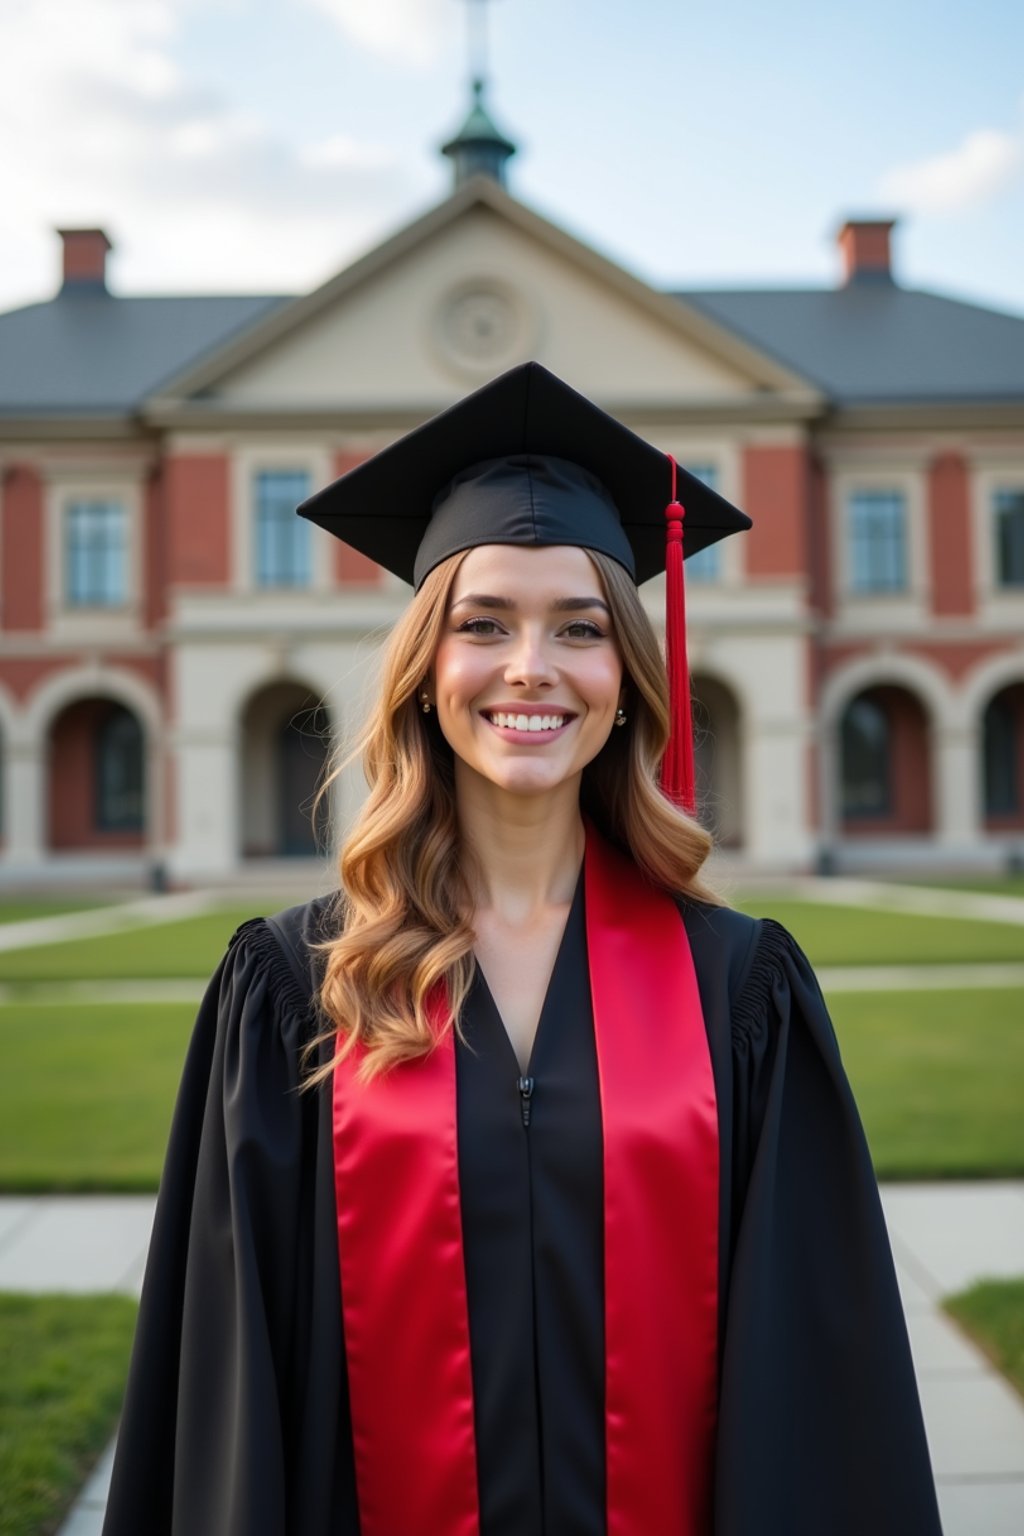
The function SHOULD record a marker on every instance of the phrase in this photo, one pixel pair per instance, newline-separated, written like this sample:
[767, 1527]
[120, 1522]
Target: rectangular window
[1009, 510]
[95, 554]
[877, 528]
[706, 564]
[283, 545]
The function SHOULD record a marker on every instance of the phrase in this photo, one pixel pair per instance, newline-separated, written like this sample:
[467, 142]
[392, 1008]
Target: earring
[620, 716]
[425, 704]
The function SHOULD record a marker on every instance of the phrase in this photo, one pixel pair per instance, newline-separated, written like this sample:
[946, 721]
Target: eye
[583, 629]
[481, 626]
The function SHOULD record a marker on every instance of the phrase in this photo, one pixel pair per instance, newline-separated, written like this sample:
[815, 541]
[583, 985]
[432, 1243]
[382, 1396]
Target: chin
[524, 780]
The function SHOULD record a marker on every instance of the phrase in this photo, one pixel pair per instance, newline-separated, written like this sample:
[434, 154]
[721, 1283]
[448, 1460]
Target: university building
[177, 648]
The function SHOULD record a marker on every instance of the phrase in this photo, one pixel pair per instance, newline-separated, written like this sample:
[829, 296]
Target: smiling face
[527, 676]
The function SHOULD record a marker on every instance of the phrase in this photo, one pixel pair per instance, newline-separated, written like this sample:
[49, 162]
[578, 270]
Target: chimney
[85, 260]
[865, 248]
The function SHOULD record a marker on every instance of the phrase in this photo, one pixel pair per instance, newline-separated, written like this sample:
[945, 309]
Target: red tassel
[677, 776]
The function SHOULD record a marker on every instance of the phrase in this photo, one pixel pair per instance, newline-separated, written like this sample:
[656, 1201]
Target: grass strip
[837, 935]
[29, 910]
[87, 1092]
[992, 1313]
[937, 1079]
[192, 946]
[63, 1363]
[830, 935]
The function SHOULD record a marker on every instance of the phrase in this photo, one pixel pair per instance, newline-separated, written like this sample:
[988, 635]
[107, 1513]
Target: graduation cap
[528, 460]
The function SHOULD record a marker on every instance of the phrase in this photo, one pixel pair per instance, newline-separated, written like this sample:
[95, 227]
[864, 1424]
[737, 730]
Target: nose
[529, 664]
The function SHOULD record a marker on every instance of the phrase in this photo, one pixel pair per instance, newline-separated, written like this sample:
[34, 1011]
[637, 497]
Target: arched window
[119, 772]
[865, 746]
[1002, 769]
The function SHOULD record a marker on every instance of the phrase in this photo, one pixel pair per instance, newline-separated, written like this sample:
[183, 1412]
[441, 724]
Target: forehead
[533, 569]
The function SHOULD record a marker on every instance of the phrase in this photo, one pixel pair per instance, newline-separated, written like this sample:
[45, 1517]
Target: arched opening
[96, 772]
[716, 754]
[1002, 747]
[884, 764]
[285, 743]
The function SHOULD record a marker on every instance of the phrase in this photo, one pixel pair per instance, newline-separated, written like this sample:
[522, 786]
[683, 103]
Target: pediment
[476, 286]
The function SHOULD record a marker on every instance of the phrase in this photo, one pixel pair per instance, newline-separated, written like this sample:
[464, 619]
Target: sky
[259, 146]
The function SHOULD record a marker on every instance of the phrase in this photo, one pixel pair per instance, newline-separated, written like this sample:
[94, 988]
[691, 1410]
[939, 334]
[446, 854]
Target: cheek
[601, 682]
[459, 672]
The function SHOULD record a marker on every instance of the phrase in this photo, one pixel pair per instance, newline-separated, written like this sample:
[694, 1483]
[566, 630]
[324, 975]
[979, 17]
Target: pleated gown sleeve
[820, 1426]
[235, 1420]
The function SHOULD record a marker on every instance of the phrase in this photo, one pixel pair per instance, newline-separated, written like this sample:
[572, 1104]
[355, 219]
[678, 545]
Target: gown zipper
[526, 1087]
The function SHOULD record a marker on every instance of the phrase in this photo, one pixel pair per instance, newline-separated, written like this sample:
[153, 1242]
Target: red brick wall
[154, 552]
[22, 554]
[953, 657]
[197, 514]
[72, 781]
[949, 521]
[351, 569]
[776, 487]
[822, 595]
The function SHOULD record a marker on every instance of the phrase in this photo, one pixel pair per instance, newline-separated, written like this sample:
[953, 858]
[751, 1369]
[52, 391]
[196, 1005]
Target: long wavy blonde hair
[404, 917]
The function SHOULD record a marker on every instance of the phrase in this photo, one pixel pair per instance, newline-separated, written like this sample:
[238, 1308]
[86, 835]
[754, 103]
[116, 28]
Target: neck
[526, 850]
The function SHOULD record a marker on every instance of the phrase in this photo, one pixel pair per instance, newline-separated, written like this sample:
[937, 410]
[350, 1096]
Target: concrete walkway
[944, 1236]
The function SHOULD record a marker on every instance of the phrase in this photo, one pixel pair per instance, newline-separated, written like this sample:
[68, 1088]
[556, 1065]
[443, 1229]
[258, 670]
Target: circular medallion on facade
[483, 326]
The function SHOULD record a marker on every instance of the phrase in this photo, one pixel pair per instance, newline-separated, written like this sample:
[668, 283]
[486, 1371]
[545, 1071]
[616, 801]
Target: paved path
[943, 1236]
[921, 900]
[90, 924]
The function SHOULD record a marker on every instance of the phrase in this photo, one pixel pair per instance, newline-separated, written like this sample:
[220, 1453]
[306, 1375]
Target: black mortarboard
[397, 501]
[528, 460]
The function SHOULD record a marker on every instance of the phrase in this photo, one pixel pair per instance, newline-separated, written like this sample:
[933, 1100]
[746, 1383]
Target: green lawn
[63, 1361]
[190, 947]
[86, 1093]
[992, 1312]
[862, 936]
[830, 935]
[992, 885]
[937, 1078]
[51, 906]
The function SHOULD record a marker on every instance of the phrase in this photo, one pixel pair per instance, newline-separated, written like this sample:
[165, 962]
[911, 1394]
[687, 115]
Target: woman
[519, 1189]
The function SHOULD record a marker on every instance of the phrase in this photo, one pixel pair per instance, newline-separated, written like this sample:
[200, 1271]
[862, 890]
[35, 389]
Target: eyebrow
[505, 604]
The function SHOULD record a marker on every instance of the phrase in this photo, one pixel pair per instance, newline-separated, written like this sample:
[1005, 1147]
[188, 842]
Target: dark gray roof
[875, 343]
[90, 352]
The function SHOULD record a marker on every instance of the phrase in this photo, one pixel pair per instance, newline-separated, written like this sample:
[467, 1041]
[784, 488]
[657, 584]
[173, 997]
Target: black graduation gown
[236, 1419]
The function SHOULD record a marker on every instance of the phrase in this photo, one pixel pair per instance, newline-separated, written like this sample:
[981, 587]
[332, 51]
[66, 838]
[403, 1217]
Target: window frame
[854, 509]
[902, 609]
[66, 487]
[998, 491]
[83, 505]
[247, 461]
[993, 471]
[300, 531]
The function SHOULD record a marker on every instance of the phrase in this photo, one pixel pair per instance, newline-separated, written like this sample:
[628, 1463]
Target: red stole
[403, 1281]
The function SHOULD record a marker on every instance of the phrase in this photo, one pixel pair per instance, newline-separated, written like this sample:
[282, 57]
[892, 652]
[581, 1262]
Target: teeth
[527, 722]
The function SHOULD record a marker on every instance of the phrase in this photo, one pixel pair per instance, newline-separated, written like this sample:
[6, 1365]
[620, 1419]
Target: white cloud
[343, 149]
[99, 125]
[409, 31]
[973, 173]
